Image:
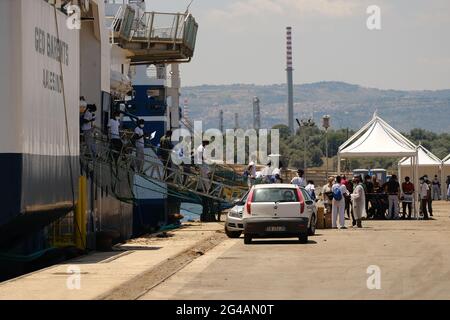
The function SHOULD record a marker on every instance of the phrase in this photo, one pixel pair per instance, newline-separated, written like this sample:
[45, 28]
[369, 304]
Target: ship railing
[208, 181]
[116, 23]
[155, 28]
[170, 28]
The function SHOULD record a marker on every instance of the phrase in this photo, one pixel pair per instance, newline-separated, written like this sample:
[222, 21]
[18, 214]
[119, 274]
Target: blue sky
[243, 41]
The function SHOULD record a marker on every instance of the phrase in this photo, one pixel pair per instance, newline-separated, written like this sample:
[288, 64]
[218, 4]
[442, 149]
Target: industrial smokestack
[256, 114]
[236, 121]
[186, 109]
[221, 121]
[290, 80]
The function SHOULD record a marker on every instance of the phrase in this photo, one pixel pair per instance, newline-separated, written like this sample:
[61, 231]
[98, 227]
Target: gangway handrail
[213, 187]
[126, 135]
[118, 16]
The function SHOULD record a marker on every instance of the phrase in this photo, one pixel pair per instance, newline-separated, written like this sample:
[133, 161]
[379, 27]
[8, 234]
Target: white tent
[424, 158]
[428, 164]
[378, 139]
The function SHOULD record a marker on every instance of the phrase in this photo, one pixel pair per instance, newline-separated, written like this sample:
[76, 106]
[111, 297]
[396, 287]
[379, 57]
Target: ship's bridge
[153, 37]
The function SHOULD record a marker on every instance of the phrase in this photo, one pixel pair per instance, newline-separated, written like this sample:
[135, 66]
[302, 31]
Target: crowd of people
[367, 197]
[361, 197]
[117, 145]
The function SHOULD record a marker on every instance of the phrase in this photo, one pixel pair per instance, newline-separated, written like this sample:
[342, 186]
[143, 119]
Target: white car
[234, 225]
[279, 210]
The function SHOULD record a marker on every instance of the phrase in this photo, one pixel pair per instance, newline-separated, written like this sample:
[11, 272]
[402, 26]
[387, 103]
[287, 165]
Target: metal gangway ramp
[154, 37]
[222, 184]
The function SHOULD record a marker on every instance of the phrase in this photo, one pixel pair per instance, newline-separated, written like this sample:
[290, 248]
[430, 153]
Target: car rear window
[275, 195]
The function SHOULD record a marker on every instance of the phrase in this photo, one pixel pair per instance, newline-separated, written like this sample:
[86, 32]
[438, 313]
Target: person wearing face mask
[114, 135]
[138, 137]
[202, 161]
[327, 195]
[424, 190]
[430, 196]
[165, 144]
[359, 202]
[407, 197]
[436, 188]
[87, 128]
[392, 188]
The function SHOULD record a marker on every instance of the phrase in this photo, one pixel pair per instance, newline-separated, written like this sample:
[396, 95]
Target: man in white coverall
[359, 201]
[203, 165]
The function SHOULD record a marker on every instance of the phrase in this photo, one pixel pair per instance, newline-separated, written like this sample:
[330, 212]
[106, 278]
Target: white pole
[413, 177]
[339, 164]
[416, 186]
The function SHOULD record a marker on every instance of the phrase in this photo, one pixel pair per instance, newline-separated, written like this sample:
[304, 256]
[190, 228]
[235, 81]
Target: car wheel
[247, 239]
[303, 238]
[312, 226]
[233, 234]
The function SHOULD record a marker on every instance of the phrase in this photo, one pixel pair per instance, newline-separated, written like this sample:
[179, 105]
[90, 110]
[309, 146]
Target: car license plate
[275, 228]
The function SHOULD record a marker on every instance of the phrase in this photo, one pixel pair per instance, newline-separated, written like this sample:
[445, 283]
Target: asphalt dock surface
[412, 259]
[402, 259]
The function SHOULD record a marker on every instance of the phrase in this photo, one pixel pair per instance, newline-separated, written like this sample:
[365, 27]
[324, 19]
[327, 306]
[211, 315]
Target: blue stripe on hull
[32, 181]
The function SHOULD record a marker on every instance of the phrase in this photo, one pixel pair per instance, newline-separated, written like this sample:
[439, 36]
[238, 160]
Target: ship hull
[39, 119]
[37, 191]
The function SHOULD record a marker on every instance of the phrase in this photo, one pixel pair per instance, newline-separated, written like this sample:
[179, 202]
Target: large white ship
[52, 197]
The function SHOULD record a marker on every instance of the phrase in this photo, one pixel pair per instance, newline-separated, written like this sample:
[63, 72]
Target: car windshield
[275, 195]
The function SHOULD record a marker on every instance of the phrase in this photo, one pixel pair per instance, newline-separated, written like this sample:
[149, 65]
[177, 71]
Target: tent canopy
[446, 160]
[424, 158]
[377, 139]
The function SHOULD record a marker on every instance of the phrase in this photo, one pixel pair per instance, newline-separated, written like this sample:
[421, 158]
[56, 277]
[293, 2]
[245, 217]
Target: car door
[240, 207]
[310, 205]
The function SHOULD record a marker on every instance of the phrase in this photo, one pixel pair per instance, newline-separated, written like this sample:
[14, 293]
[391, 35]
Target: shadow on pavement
[271, 241]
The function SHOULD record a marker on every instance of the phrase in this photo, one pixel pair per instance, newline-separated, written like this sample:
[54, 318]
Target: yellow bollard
[80, 214]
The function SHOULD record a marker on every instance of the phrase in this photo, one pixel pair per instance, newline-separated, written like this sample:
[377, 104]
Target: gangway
[154, 37]
[188, 124]
[184, 182]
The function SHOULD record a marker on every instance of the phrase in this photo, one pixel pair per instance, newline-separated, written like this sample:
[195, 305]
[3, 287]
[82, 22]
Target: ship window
[155, 94]
[153, 107]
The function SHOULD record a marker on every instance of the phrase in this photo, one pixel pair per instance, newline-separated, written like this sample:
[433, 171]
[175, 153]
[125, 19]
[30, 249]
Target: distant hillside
[349, 105]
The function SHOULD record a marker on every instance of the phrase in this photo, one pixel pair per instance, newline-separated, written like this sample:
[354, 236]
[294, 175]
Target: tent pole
[339, 164]
[416, 187]
[413, 173]
[443, 191]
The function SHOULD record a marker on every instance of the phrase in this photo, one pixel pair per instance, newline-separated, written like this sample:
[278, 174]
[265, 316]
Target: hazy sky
[243, 41]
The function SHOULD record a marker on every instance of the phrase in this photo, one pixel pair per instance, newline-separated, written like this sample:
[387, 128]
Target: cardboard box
[320, 218]
[327, 219]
